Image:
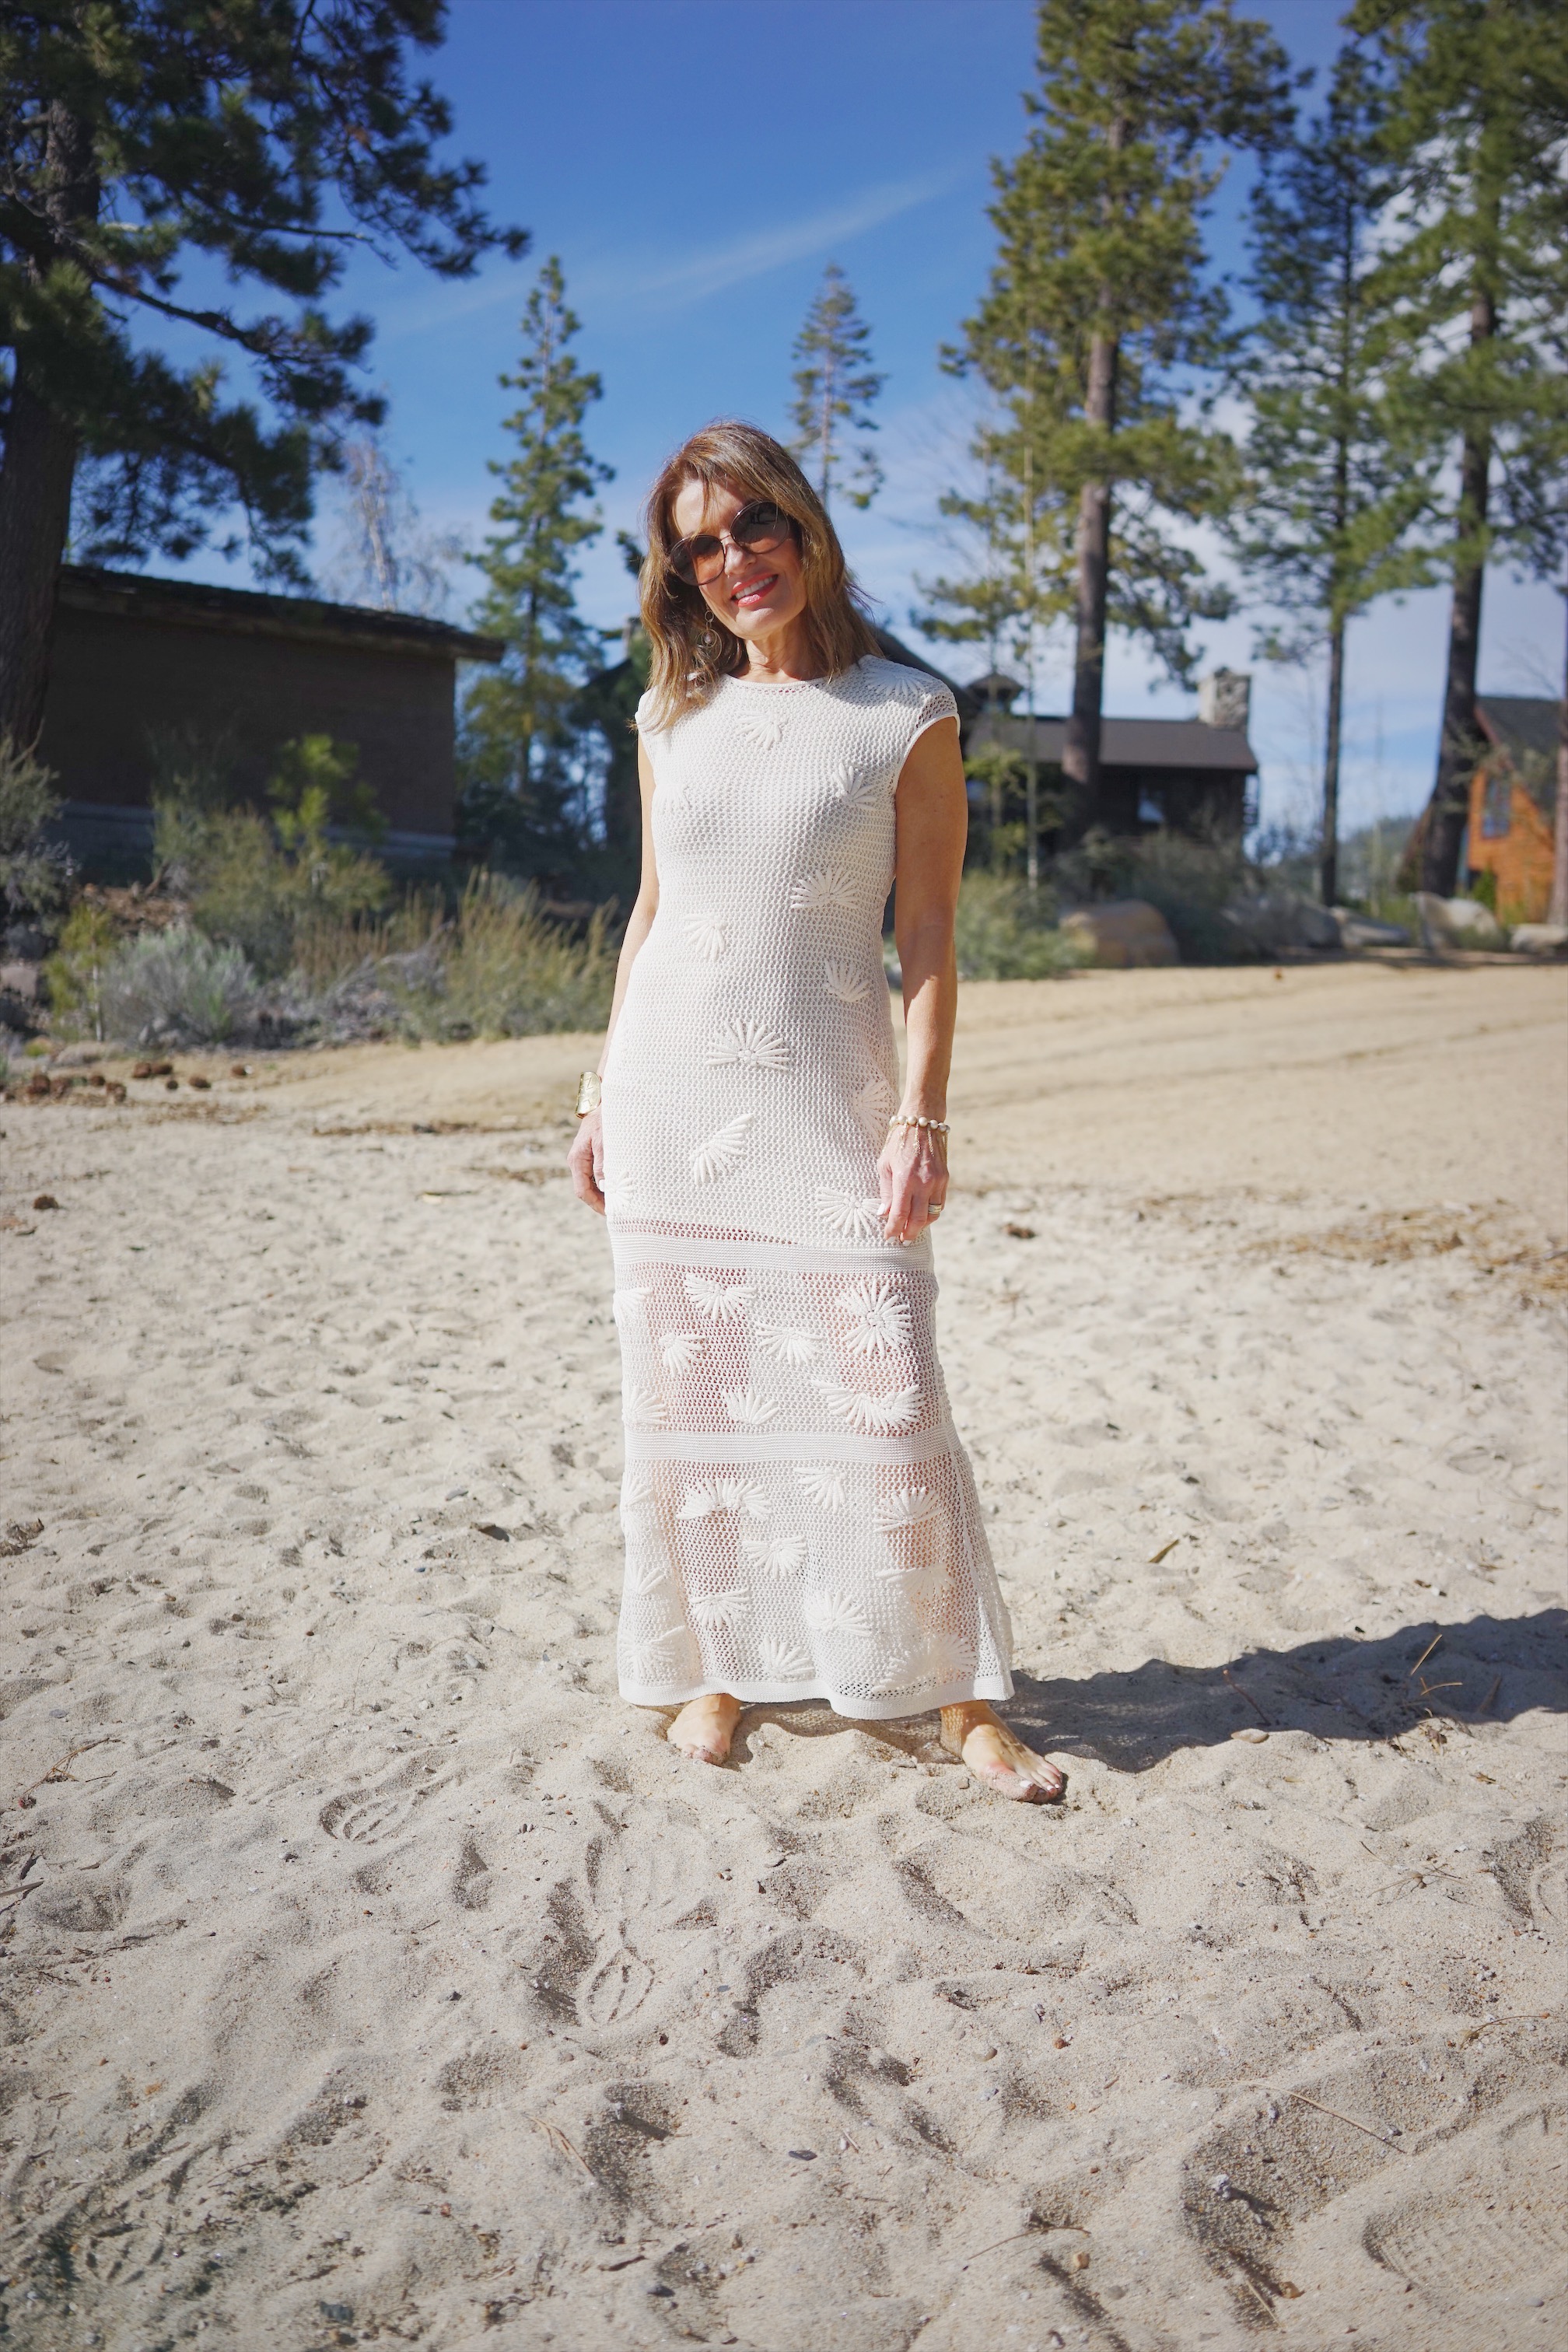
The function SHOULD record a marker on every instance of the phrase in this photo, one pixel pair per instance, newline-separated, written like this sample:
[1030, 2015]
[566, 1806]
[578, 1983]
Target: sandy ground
[371, 1974]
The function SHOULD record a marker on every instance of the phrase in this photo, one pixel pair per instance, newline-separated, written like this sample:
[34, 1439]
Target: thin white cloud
[695, 277]
[675, 281]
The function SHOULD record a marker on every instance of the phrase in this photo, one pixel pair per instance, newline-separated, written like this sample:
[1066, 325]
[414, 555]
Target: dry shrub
[1005, 931]
[174, 988]
[503, 968]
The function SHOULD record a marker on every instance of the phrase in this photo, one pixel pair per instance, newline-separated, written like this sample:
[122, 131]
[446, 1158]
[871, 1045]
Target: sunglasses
[759, 528]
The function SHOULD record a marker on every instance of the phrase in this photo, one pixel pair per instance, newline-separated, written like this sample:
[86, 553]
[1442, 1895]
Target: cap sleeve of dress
[932, 702]
[642, 718]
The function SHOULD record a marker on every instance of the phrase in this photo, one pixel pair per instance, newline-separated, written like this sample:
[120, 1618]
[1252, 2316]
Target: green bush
[73, 975]
[175, 988]
[1190, 878]
[1005, 931]
[264, 885]
[502, 968]
[32, 878]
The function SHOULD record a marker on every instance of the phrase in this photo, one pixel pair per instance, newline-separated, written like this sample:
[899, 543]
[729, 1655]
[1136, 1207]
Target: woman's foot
[975, 1733]
[705, 1727]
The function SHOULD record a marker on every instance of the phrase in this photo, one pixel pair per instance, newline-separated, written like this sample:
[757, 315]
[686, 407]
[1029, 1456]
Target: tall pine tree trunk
[1557, 910]
[39, 465]
[1328, 858]
[1091, 559]
[34, 516]
[1092, 571]
[1460, 748]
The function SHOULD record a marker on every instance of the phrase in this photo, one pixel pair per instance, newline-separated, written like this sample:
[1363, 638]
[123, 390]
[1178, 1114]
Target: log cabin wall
[132, 657]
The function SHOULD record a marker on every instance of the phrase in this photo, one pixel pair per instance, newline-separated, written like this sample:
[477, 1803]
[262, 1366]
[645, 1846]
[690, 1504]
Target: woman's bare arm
[586, 1157]
[933, 818]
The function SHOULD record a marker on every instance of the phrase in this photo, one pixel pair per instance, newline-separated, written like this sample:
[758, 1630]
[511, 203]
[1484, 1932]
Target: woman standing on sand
[800, 1517]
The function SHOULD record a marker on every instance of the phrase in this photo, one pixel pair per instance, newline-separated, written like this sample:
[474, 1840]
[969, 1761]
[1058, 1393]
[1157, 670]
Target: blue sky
[695, 165]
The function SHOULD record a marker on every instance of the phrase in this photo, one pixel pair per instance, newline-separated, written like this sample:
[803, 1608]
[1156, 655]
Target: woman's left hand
[913, 1177]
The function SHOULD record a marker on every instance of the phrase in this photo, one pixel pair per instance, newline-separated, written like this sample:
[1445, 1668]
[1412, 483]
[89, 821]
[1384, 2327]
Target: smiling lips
[756, 590]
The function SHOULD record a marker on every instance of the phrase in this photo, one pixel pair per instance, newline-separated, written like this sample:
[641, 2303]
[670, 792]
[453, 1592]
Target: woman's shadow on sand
[1358, 1688]
[1485, 1670]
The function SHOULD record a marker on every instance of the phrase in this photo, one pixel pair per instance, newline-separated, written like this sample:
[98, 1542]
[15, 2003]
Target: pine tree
[1098, 318]
[1476, 275]
[1332, 494]
[835, 387]
[1002, 602]
[259, 143]
[517, 732]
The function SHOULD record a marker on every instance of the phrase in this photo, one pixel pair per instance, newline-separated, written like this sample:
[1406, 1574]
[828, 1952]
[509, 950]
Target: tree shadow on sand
[1365, 1689]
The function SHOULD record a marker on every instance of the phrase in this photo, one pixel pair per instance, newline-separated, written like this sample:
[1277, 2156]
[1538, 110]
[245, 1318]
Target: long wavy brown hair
[692, 649]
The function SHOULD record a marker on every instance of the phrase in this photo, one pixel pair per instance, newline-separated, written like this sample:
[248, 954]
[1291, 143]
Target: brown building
[133, 658]
[1191, 774]
[1513, 804]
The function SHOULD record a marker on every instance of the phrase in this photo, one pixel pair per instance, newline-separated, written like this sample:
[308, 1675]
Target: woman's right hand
[587, 1160]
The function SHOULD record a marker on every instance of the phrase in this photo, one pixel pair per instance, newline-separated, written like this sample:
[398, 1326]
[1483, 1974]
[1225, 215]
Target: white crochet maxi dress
[800, 1517]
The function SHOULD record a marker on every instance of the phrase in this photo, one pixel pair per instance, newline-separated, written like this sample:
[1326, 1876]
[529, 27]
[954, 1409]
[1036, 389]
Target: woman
[800, 1517]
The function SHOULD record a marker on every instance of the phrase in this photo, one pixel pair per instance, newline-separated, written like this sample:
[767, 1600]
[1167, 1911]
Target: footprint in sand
[1478, 2243]
[632, 1890]
[365, 1816]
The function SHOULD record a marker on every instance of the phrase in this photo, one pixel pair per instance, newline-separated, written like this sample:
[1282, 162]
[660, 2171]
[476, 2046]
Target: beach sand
[371, 1974]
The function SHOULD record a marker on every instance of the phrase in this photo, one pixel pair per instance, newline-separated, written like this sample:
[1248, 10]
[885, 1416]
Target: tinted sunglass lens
[761, 528]
[697, 559]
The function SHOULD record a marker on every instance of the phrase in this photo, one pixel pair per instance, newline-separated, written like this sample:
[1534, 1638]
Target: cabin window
[1150, 805]
[1497, 809]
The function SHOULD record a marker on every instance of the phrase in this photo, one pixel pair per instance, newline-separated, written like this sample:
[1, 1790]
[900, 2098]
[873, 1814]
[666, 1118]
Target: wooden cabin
[1513, 804]
[133, 658]
[1193, 775]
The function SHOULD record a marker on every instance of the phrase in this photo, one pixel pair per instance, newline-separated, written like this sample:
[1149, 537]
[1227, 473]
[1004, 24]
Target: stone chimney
[1224, 699]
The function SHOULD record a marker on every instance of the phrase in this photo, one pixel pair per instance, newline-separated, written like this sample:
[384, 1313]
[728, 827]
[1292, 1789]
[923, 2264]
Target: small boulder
[1362, 932]
[1457, 923]
[1123, 935]
[1276, 920]
[1539, 938]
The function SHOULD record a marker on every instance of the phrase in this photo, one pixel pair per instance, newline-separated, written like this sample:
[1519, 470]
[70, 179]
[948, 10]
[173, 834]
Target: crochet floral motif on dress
[775, 1555]
[853, 792]
[709, 939]
[874, 1107]
[784, 1344]
[862, 1409]
[844, 982]
[828, 885]
[750, 1044]
[823, 1487]
[763, 729]
[856, 1214]
[879, 1313]
[726, 1494]
[723, 1149]
[721, 1302]
[746, 1406]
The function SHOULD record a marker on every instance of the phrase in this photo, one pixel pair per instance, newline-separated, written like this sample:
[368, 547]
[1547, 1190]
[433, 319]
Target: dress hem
[997, 1686]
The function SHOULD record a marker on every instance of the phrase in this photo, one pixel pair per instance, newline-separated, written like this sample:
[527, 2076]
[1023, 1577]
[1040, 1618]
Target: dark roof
[1519, 722]
[1127, 742]
[246, 612]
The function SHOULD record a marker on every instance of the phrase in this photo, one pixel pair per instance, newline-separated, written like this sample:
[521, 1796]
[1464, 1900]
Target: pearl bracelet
[932, 1126]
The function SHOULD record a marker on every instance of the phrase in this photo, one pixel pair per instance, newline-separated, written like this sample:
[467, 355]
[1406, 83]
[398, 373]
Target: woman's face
[754, 595]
